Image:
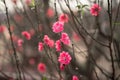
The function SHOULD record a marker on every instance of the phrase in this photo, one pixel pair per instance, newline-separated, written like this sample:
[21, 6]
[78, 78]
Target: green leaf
[44, 78]
[78, 6]
[82, 12]
[32, 3]
[84, 6]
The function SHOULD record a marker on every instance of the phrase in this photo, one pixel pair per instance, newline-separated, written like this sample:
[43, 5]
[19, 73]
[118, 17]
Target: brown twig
[14, 50]
[111, 38]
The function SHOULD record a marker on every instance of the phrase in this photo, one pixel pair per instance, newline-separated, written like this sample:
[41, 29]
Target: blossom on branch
[62, 67]
[65, 38]
[26, 35]
[64, 58]
[58, 27]
[42, 67]
[63, 18]
[20, 42]
[50, 13]
[75, 77]
[58, 45]
[40, 46]
[51, 43]
[48, 41]
[95, 9]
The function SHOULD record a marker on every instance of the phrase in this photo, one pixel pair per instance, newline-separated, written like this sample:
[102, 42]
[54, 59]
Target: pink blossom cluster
[64, 39]
[64, 57]
[49, 42]
[59, 25]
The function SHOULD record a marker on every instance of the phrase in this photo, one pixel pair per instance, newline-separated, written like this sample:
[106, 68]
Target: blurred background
[89, 36]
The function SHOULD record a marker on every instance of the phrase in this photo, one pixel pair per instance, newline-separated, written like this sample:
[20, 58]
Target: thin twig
[84, 28]
[96, 74]
[56, 13]
[111, 38]
[14, 50]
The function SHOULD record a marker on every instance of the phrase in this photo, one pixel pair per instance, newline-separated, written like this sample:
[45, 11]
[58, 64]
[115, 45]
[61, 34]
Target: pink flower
[26, 35]
[95, 9]
[41, 67]
[50, 12]
[58, 45]
[46, 39]
[65, 38]
[75, 77]
[64, 58]
[63, 18]
[51, 43]
[62, 67]
[40, 46]
[20, 42]
[2, 28]
[58, 27]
